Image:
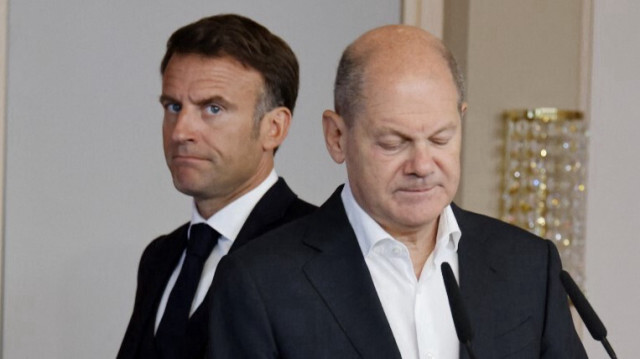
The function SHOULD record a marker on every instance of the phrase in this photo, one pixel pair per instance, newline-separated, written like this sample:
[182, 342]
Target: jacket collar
[341, 277]
[268, 211]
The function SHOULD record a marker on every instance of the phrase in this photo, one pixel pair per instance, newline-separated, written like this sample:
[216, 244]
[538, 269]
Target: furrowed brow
[448, 128]
[166, 99]
[217, 100]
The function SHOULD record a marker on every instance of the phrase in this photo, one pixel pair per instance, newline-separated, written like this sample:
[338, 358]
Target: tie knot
[202, 239]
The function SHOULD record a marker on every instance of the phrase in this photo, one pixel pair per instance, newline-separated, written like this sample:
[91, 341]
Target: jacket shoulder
[496, 234]
[163, 244]
[299, 208]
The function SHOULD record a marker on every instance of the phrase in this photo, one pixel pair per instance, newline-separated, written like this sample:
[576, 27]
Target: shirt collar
[369, 232]
[229, 220]
[447, 238]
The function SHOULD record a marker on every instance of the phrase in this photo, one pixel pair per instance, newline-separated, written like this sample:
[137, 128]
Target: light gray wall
[86, 183]
[613, 202]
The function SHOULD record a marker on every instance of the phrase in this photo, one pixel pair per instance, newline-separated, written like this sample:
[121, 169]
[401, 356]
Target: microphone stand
[588, 315]
[458, 311]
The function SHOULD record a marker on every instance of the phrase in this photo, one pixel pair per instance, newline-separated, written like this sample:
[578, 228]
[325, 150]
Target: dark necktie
[171, 337]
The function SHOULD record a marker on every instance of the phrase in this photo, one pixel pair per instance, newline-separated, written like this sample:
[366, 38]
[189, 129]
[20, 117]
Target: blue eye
[214, 109]
[173, 107]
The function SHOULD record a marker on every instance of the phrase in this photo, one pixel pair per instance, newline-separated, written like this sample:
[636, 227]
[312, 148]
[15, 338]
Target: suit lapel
[163, 265]
[341, 277]
[479, 281]
[266, 214]
[160, 264]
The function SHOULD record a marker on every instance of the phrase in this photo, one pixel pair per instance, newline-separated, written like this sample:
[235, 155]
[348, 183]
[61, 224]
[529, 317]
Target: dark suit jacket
[279, 205]
[304, 291]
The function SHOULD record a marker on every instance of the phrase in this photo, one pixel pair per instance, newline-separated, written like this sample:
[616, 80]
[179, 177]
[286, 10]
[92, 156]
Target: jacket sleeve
[133, 334]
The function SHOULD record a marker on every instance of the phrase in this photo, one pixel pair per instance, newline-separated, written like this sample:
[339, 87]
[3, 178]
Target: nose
[420, 162]
[184, 127]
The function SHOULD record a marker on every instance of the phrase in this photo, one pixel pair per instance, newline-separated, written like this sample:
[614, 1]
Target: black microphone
[588, 315]
[458, 312]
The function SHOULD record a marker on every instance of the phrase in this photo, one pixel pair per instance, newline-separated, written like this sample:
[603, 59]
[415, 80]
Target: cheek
[446, 162]
[384, 172]
[167, 132]
[238, 134]
[453, 164]
[165, 129]
[222, 136]
[166, 141]
[372, 168]
[450, 169]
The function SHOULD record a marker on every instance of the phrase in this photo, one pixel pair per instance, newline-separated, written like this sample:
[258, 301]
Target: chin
[186, 187]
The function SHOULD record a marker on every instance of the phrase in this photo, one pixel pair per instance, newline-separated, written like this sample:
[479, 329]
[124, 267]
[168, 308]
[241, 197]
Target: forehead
[420, 99]
[196, 73]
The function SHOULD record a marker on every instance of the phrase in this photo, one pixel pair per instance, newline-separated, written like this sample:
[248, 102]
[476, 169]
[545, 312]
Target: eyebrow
[213, 99]
[449, 127]
[388, 130]
[164, 99]
[216, 99]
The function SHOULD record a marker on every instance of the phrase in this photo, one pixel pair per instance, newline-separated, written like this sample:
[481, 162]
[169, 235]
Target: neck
[207, 207]
[420, 245]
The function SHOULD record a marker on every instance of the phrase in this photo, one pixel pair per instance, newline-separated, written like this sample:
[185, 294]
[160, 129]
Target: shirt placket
[425, 328]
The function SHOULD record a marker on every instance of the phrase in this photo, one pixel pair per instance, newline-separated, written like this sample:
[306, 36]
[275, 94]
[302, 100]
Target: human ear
[334, 129]
[274, 127]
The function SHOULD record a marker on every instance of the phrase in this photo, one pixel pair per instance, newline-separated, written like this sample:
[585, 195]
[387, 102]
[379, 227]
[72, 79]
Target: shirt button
[397, 250]
[430, 356]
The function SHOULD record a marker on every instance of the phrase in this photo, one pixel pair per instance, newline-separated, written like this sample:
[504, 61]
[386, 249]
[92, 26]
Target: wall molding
[586, 58]
[426, 14]
[3, 111]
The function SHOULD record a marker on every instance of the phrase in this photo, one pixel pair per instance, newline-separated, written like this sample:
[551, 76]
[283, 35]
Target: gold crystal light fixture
[544, 177]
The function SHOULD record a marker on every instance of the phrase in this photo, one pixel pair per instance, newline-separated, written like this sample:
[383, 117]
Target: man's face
[403, 149]
[211, 146]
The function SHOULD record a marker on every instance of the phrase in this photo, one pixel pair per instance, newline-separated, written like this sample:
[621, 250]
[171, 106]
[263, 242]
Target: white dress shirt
[417, 309]
[228, 221]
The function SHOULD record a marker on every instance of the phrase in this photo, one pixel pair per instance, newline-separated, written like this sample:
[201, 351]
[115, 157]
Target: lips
[416, 189]
[188, 157]
[184, 159]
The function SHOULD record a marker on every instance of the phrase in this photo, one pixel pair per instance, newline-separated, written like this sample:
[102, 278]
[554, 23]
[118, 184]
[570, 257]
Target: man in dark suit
[360, 278]
[229, 87]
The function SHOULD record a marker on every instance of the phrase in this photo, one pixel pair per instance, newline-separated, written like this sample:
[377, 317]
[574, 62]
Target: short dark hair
[347, 91]
[251, 44]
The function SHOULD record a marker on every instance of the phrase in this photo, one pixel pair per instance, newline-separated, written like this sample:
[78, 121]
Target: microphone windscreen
[458, 311]
[588, 315]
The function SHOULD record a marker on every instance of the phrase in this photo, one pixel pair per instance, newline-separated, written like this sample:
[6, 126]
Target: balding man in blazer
[360, 278]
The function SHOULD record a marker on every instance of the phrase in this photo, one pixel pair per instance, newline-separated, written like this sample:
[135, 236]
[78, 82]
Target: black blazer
[304, 291]
[279, 205]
